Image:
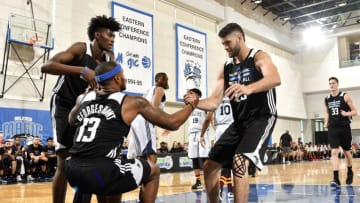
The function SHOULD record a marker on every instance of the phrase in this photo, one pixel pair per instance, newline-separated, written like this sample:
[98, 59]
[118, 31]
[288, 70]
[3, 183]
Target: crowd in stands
[308, 152]
[24, 162]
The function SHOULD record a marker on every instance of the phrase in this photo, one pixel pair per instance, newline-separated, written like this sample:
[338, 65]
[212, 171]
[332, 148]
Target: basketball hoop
[36, 40]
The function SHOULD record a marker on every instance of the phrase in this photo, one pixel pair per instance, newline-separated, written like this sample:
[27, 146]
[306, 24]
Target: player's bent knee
[155, 169]
[239, 165]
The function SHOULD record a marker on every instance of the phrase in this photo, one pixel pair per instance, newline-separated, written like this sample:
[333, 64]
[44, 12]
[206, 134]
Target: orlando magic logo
[192, 73]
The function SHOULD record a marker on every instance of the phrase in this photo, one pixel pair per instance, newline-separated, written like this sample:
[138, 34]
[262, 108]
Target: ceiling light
[313, 35]
[286, 18]
[257, 1]
[341, 3]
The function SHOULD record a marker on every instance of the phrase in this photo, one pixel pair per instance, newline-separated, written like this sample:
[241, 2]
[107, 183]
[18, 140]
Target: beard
[235, 51]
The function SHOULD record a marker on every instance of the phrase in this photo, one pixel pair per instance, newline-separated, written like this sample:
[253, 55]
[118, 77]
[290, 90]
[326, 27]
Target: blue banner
[25, 122]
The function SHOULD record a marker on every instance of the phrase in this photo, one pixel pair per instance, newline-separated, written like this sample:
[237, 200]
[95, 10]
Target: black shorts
[249, 140]
[340, 136]
[104, 176]
[63, 132]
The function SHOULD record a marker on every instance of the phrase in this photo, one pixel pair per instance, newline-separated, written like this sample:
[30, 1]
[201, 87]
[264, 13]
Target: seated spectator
[38, 159]
[177, 148]
[51, 156]
[163, 148]
[8, 168]
[20, 157]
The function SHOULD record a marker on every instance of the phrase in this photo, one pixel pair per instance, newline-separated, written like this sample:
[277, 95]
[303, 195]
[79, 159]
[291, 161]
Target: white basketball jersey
[223, 114]
[150, 94]
[196, 120]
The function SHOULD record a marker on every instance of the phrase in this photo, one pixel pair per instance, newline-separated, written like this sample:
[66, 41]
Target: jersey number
[225, 110]
[195, 120]
[334, 111]
[89, 125]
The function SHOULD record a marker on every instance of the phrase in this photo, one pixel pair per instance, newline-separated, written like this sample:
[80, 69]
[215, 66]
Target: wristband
[84, 71]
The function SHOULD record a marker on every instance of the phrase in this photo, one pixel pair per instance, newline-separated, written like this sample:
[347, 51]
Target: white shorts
[143, 140]
[219, 130]
[195, 148]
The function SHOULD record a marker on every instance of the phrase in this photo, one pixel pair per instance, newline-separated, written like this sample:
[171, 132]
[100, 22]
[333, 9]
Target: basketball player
[102, 119]
[75, 67]
[339, 110]
[143, 142]
[196, 152]
[223, 117]
[248, 79]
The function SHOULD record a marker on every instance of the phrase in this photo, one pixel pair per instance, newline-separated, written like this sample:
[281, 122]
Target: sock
[349, 169]
[336, 175]
[197, 176]
[222, 182]
[229, 184]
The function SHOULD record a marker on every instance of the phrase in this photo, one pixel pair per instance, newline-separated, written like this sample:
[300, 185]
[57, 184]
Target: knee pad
[196, 164]
[239, 165]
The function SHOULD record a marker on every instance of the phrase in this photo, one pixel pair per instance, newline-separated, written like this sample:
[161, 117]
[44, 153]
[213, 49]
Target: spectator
[285, 144]
[163, 148]
[38, 159]
[51, 156]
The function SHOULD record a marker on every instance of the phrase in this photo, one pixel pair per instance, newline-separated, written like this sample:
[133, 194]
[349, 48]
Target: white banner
[133, 47]
[191, 61]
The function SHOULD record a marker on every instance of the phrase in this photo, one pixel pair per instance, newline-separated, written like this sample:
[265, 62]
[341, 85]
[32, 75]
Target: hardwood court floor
[315, 174]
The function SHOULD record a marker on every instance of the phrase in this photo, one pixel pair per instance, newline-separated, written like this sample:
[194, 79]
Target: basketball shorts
[249, 140]
[143, 140]
[104, 176]
[63, 133]
[195, 149]
[340, 136]
[219, 130]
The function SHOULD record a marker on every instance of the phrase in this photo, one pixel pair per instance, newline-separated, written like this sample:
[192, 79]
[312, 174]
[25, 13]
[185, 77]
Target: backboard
[28, 31]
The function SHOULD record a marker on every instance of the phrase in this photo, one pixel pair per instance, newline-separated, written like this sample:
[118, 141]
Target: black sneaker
[349, 178]
[196, 186]
[335, 183]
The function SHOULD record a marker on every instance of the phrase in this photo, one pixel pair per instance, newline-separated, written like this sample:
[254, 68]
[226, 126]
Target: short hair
[334, 78]
[103, 68]
[196, 90]
[229, 28]
[49, 138]
[102, 22]
[159, 75]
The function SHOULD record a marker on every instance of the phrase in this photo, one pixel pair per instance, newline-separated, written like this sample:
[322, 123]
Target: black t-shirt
[285, 140]
[35, 150]
[49, 150]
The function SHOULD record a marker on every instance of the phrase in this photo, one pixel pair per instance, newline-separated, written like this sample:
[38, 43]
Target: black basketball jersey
[334, 105]
[248, 107]
[70, 86]
[100, 127]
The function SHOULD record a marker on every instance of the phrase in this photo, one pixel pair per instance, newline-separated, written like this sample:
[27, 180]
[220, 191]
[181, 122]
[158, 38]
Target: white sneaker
[29, 178]
[18, 178]
[230, 196]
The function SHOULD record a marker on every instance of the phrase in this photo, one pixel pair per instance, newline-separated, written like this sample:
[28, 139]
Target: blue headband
[108, 74]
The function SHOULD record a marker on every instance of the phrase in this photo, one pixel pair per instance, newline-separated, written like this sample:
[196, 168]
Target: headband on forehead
[108, 74]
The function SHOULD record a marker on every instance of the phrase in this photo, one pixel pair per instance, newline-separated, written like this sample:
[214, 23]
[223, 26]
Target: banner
[191, 61]
[25, 123]
[133, 47]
